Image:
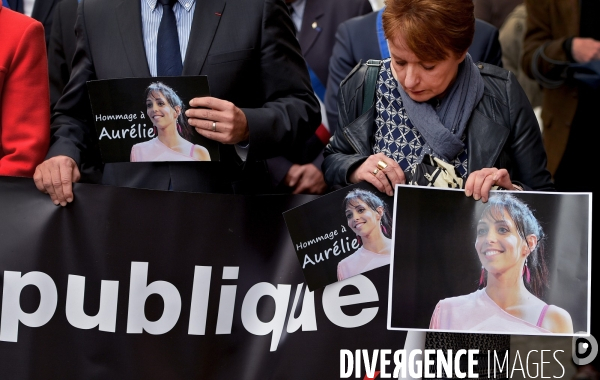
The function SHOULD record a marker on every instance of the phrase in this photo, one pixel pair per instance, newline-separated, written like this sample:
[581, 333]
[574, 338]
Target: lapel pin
[314, 25]
[218, 14]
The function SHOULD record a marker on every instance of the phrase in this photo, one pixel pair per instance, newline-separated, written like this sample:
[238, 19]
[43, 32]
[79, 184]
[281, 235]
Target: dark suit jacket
[356, 40]
[320, 21]
[249, 53]
[61, 47]
[325, 15]
[61, 50]
[42, 11]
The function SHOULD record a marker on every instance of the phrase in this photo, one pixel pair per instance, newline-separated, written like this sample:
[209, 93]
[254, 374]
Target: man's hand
[55, 177]
[480, 182]
[584, 50]
[218, 120]
[383, 179]
[305, 179]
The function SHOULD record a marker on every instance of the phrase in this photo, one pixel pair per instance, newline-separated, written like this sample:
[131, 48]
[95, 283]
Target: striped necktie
[168, 54]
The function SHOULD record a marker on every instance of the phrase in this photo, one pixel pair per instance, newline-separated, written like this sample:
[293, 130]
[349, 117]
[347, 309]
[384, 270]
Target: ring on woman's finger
[375, 171]
[381, 165]
[214, 126]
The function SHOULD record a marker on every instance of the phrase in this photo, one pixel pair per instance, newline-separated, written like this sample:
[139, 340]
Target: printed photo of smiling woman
[514, 276]
[173, 133]
[369, 217]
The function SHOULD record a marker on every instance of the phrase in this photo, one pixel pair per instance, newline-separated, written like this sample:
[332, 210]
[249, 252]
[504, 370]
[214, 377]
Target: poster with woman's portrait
[143, 119]
[342, 234]
[518, 264]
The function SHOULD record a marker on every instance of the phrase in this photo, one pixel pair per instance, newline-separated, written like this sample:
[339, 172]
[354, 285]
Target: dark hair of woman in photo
[510, 246]
[431, 100]
[173, 133]
[369, 217]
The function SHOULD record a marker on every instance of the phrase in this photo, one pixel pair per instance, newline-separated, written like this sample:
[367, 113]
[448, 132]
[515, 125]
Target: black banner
[141, 284]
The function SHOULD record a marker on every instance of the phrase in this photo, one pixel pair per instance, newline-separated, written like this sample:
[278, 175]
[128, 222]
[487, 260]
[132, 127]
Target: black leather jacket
[502, 132]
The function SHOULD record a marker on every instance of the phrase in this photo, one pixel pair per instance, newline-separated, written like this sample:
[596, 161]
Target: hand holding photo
[144, 119]
[170, 126]
[368, 217]
[342, 234]
[517, 264]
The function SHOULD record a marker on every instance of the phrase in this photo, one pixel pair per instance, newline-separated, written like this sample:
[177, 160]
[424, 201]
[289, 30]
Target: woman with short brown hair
[432, 104]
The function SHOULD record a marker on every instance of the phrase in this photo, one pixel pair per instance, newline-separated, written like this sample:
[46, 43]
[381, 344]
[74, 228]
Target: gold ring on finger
[381, 165]
[214, 126]
[375, 171]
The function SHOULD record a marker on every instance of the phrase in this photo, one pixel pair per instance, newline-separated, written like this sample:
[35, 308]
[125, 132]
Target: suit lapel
[207, 16]
[313, 11]
[42, 8]
[129, 19]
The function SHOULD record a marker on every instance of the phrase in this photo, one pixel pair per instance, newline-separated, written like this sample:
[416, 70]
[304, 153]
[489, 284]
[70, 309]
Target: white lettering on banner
[250, 320]
[12, 313]
[140, 290]
[200, 294]
[307, 318]
[333, 302]
[227, 302]
[106, 319]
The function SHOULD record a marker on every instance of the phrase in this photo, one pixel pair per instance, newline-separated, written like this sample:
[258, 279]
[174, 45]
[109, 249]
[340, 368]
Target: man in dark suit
[262, 104]
[42, 11]
[357, 40]
[316, 22]
[61, 47]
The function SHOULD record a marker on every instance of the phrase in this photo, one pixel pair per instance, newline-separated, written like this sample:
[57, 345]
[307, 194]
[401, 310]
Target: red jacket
[24, 94]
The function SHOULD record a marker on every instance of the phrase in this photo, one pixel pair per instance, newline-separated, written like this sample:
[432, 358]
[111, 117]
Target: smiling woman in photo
[173, 133]
[370, 219]
[514, 275]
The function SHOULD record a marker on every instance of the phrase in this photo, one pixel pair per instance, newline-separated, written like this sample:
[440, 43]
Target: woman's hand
[584, 50]
[480, 182]
[384, 179]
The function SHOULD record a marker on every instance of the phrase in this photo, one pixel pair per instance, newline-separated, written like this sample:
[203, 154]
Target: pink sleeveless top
[478, 312]
[361, 261]
[155, 150]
